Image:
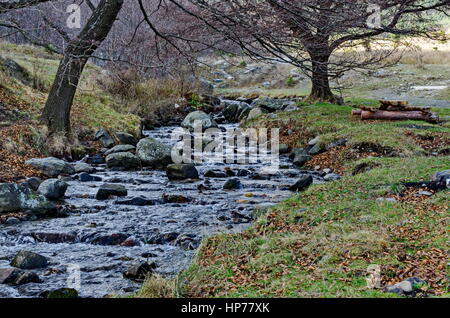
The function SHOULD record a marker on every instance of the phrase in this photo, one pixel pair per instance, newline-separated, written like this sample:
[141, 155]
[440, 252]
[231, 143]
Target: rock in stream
[142, 218]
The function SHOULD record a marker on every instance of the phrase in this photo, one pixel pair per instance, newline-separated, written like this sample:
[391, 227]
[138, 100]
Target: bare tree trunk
[56, 114]
[321, 90]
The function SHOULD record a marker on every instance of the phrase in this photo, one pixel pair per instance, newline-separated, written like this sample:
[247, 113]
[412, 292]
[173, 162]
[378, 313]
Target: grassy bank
[320, 243]
[22, 97]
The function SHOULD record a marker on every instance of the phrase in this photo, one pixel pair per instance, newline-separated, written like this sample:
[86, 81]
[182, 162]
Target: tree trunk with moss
[56, 114]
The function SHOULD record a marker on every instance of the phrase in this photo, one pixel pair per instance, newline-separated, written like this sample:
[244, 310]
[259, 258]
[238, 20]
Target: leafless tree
[321, 37]
[56, 114]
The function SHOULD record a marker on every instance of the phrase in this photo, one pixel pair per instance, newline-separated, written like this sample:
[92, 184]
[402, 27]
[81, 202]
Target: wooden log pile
[396, 110]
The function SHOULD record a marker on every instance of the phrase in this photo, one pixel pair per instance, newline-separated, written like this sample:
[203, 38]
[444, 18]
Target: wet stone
[233, 184]
[60, 293]
[29, 260]
[85, 177]
[181, 172]
[15, 277]
[110, 240]
[302, 184]
[137, 201]
[108, 190]
[140, 272]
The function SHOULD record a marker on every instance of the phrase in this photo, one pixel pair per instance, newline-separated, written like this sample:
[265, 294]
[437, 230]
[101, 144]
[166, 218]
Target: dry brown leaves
[433, 142]
[427, 264]
[12, 102]
[12, 165]
[13, 168]
[426, 223]
[4, 217]
[332, 159]
[412, 195]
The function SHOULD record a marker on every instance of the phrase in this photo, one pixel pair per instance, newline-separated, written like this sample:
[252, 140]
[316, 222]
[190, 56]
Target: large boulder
[181, 172]
[235, 111]
[83, 167]
[15, 277]
[105, 138]
[107, 190]
[60, 293]
[198, 120]
[442, 178]
[126, 138]
[14, 197]
[139, 272]
[29, 260]
[51, 167]
[256, 112]
[122, 159]
[120, 148]
[15, 70]
[153, 153]
[232, 184]
[86, 177]
[33, 183]
[272, 104]
[53, 189]
[302, 184]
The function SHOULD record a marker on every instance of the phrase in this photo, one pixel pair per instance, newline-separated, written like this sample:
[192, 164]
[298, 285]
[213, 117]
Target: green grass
[320, 243]
[333, 122]
[331, 227]
[93, 107]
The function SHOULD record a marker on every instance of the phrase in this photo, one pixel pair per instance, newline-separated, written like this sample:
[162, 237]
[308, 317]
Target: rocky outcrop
[153, 153]
[14, 197]
[198, 120]
[123, 160]
[53, 189]
[51, 167]
[181, 172]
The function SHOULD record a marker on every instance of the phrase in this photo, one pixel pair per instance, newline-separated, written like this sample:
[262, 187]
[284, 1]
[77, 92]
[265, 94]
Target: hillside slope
[26, 75]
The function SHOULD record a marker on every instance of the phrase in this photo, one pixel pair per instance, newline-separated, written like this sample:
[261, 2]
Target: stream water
[103, 239]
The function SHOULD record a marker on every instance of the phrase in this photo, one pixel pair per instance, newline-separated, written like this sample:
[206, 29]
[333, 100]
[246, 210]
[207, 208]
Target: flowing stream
[103, 239]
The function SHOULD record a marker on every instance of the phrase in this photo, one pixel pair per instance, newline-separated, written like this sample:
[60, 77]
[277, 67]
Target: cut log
[406, 108]
[400, 115]
[356, 112]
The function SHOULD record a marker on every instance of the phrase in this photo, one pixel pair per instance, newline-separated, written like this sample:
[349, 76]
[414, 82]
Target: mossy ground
[321, 243]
